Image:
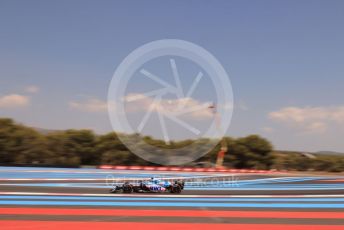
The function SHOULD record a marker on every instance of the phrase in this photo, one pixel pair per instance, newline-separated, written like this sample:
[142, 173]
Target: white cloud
[14, 101]
[338, 115]
[90, 105]
[316, 127]
[311, 119]
[187, 107]
[183, 107]
[32, 89]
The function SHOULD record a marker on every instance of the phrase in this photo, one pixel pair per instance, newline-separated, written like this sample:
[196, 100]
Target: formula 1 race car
[152, 186]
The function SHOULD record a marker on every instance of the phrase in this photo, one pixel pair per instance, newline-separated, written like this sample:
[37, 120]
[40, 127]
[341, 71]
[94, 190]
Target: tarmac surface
[43, 198]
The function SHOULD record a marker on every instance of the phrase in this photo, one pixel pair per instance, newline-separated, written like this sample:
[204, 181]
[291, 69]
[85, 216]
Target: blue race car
[151, 186]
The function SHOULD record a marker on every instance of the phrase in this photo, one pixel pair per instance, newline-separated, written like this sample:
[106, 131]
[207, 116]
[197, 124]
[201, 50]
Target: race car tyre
[176, 189]
[180, 183]
[127, 188]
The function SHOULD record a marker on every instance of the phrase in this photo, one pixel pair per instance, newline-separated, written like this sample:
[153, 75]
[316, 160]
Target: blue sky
[284, 59]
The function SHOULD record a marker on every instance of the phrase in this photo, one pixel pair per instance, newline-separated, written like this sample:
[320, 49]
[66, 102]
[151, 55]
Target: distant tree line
[296, 161]
[22, 145]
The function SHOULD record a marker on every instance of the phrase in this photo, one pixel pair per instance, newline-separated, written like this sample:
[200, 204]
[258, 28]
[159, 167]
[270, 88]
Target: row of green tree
[299, 162]
[22, 145]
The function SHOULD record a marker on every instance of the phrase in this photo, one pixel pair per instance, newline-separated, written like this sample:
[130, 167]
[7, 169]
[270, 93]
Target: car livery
[152, 186]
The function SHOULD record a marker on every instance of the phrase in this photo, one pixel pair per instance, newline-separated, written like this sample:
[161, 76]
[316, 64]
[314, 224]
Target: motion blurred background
[284, 58]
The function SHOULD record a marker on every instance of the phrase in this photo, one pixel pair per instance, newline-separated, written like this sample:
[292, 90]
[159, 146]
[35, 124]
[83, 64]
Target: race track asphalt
[51, 199]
